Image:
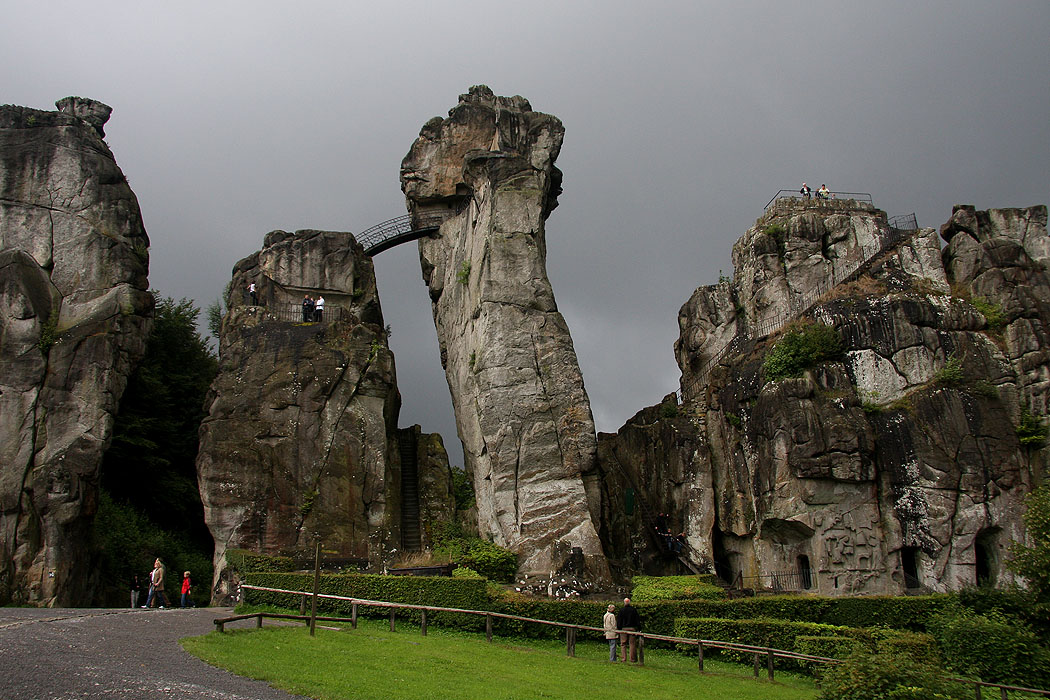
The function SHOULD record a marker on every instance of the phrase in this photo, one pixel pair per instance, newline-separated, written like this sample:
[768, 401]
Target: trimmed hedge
[829, 647]
[437, 591]
[652, 588]
[244, 561]
[762, 632]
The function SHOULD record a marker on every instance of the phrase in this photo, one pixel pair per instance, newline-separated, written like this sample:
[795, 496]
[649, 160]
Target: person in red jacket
[186, 602]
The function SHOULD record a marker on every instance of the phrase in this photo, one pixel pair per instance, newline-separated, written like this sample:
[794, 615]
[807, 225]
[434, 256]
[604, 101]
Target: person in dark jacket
[628, 621]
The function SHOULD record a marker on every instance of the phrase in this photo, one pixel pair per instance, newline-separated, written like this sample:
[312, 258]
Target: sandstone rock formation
[75, 311]
[301, 437]
[896, 465]
[521, 410]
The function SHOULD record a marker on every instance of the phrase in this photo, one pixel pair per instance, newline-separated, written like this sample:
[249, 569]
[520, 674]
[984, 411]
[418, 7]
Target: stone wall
[75, 310]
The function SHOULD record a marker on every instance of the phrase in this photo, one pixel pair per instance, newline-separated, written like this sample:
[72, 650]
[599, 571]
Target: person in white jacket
[609, 622]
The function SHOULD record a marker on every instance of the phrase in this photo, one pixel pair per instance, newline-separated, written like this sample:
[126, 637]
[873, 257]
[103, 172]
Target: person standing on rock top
[319, 309]
[805, 191]
[252, 295]
[308, 309]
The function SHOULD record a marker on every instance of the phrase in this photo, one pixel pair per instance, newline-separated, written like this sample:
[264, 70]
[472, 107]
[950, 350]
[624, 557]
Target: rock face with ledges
[300, 439]
[75, 310]
[521, 409]
[896, 464]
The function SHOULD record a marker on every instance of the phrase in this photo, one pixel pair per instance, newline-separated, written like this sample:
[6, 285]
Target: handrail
[769, 652]
[400, 229]
[796, 194]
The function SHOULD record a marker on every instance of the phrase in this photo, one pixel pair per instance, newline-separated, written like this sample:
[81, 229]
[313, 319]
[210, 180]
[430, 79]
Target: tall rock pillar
[521, 409]
[74, 317]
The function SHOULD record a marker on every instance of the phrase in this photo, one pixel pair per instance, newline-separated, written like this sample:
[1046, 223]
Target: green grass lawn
[372, 662]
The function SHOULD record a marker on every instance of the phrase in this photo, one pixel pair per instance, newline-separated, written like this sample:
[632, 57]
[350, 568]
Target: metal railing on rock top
[837, 196]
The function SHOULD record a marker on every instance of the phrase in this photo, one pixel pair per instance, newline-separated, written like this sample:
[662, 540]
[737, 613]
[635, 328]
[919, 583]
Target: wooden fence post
[700, 646]
[641, 650]
[769, 662]
[1002, 692]
[757, 664]
[488, 627]
[423, 624]
[570, 647]
[220, 626]
[392, 613]
[977, 687]
[302, 604]
[353, 616]
[258, 621]
[317, 583]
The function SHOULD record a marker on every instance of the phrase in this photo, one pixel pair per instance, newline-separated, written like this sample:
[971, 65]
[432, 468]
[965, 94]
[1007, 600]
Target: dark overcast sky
[232, 119]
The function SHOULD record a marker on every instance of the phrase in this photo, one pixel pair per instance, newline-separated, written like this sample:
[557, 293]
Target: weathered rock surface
[895, 466]
[301, 439]
[521, 409]
[75, 311]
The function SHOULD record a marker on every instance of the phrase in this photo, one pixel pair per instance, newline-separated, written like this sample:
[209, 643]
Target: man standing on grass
[629, 621]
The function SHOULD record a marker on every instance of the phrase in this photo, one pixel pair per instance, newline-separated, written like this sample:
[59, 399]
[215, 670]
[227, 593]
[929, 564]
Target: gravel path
[114, 654]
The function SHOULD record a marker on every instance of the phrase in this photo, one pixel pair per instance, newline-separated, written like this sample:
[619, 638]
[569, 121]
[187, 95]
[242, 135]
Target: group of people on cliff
[822, 193]
[618, 627]
[313, 309]
[156, 588]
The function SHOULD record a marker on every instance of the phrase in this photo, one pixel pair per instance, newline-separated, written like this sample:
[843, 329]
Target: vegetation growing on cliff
[150, 469]
[802, 347]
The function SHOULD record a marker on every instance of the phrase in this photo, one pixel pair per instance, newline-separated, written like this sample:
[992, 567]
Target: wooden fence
[761, 656]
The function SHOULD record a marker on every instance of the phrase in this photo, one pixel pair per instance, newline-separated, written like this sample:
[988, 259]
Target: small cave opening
[986, 559]
[910, 566]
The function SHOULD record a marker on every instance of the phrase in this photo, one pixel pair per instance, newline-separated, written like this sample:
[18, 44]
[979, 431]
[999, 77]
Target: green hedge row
[762, 632]
[653, 588]
[436, 591]
[245, 562]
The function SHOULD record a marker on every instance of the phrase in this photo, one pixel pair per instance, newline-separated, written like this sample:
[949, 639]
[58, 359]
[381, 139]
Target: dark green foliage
[992, 312]
[884, 676]
[802, 347]
[246, 562]
[1031, 431]
[951, 373]
[779, 234]
[490, 560]
[1017, 604]
[215, 315]
[48, 333]
[130, 542]
[652, 588]
[992, 648]
[151, 461]
[828, 647]
[761, 632]
[1033, 562]
[668, 409]
[914, 645]
[462, 488]
[436, 591]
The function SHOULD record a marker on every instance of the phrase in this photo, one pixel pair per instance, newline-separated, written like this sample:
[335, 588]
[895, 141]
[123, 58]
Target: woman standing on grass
[609, 622]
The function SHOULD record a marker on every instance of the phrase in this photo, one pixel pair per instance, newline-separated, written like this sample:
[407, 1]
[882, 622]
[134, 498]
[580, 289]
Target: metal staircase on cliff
[899, 228]
[411, 541]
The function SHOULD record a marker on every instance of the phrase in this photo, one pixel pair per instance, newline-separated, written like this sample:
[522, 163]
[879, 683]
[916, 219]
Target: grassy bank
[372, 662]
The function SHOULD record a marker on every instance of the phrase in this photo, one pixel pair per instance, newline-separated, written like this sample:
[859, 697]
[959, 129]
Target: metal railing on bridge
[401, 229]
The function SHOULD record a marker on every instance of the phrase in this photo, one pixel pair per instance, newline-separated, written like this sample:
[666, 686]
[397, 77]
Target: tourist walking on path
[609, 622]
[157, 586]
[186, 601]
[136, 590]
[629, 621]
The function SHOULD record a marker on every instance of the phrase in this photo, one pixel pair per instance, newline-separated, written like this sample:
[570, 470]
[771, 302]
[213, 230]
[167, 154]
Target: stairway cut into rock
[410, 534]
